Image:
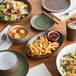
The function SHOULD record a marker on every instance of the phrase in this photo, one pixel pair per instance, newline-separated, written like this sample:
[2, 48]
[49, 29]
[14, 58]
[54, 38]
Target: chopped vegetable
[67, 73]
[11, 10]
[70, 56]
[65, 65]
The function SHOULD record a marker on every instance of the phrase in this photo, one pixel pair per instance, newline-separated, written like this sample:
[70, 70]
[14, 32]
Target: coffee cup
[71, 29]
[8, 63]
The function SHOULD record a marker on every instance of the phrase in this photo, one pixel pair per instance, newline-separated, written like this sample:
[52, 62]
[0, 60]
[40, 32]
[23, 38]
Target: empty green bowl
[41, 22]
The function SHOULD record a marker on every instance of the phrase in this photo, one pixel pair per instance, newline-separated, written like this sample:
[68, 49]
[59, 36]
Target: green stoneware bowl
[41, 22]
[23, 66]
[18, 40]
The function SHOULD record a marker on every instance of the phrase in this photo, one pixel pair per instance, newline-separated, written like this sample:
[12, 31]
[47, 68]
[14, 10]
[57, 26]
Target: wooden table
[50, 62]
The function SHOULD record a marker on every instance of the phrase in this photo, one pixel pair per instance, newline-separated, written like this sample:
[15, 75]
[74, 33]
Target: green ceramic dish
[23, 66]
[41, 22]
[60, 40]
[29, 9]
[18, 40]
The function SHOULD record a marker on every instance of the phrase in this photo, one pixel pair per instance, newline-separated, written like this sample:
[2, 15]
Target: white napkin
[72, 6]
[7, 43]
[39, 70]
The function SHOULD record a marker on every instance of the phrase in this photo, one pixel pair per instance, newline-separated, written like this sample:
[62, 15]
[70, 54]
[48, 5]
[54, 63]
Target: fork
[67, 13]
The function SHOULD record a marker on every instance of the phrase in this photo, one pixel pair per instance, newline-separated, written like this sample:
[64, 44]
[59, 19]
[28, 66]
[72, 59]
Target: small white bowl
[8, 62]
[64, 51]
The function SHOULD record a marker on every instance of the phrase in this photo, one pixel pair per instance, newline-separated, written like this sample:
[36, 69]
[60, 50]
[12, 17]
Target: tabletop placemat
[7, 43]
[39, 70]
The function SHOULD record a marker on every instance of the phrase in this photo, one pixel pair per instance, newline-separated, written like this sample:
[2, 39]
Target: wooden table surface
[50, 62]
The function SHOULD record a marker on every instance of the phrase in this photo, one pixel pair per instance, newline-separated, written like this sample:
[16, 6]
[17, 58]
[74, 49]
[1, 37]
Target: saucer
[23, 66]
[41, 22]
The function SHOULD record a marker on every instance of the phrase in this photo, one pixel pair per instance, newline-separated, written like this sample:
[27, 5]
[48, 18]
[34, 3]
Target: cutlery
[67, 13]
[3, 38]
[50, 16]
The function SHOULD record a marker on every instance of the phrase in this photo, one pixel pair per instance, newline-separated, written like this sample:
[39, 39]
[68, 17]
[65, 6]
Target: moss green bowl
[18, 40]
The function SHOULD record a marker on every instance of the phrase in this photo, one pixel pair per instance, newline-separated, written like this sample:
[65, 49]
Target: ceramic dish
[8, 63]
[18, 40]
[41, 22]
[64, 51]
[29, 10]
[54, 6]
[23, 66]
[53, 36]
[61, 40]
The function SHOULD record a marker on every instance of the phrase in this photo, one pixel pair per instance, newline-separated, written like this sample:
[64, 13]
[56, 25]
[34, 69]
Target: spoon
[3, 38]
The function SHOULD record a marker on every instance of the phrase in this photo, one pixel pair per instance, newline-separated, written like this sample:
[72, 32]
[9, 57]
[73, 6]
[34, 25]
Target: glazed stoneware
[18, 40]
[41, 22]
[8, 63]
[23, 66]
[56, 5]
[61, 40]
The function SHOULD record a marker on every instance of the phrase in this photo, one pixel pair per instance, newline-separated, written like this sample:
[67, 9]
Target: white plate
[64, 51]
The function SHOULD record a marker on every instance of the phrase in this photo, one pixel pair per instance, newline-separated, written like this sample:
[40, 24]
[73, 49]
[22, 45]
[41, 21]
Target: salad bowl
[19, 15]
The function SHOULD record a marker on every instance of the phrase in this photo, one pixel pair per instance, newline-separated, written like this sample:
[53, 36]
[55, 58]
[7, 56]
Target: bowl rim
[18, 26]
[67, 7]
[12, 66]
[58, 56]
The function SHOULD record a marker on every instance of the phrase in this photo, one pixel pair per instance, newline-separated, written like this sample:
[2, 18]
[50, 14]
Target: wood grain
[50, 62]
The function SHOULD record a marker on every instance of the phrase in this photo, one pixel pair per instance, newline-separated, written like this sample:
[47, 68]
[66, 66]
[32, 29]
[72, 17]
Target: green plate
[41, 22]
[23, 66]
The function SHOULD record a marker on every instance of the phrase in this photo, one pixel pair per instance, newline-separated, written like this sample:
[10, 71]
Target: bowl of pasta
[66, 60]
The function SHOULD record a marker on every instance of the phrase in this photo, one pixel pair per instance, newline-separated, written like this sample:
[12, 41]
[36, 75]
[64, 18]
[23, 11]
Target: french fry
[42, 46]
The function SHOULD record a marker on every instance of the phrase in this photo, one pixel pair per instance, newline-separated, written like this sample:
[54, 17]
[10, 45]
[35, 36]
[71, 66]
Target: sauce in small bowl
[53, 35]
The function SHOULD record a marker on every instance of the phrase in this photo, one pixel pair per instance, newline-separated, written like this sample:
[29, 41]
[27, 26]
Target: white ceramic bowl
[64, 51]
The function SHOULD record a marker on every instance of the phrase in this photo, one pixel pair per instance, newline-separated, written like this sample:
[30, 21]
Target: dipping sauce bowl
[53, 35]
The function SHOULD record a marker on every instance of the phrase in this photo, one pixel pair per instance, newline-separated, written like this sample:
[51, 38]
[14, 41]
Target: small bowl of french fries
[18, 33]
[39, 46]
